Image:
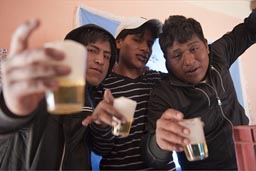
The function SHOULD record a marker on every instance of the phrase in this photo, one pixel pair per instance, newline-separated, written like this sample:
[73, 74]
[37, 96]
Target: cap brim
[136, 22]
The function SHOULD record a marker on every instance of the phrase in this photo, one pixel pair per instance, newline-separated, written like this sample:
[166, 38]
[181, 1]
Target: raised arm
[239, 39]
[28, 73]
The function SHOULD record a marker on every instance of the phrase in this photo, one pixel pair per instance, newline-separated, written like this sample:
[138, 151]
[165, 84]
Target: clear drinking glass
[126, 107]
[69, 97]
[197, 149]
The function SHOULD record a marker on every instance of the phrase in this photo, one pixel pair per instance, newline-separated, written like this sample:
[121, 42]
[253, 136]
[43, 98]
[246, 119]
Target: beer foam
[196, 130]
[125, 106]
[75, 57]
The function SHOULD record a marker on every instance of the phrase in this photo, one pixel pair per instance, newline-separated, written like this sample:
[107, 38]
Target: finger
[25, 88]
[20, 37]
[172, 138]
[35, 72]
[106, 120]
[35, 56]
[173, 126]
[99, 113]
[111, 111]
[165, 145]
[172, 132]
[103, 120]
[108, 96]
[33, 64]
[173, 114]
[87, 120]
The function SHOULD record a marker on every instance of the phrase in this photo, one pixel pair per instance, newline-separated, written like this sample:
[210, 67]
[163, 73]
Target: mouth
[96, 70]
[192, 71]
[142, 58]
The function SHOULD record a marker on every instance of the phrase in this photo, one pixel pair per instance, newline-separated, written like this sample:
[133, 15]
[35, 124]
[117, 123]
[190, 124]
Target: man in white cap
[132, 79]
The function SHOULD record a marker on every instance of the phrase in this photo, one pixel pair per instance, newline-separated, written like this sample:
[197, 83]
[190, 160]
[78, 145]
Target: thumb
[172, 114]
[20, 37]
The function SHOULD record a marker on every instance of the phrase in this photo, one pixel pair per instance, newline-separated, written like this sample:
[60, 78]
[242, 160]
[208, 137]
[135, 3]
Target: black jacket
[215, 102]
[43, 141]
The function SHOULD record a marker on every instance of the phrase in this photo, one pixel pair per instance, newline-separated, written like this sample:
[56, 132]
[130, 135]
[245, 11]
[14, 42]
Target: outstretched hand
[28, 73]
[170, 135]
[104, 112]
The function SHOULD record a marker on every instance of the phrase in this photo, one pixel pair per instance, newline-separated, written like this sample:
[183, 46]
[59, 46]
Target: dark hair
[181, 29]
[91, 33]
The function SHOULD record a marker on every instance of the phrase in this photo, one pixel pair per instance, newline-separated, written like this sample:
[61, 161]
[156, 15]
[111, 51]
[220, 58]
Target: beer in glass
[69, 97]
[126, 107]
[197, 149]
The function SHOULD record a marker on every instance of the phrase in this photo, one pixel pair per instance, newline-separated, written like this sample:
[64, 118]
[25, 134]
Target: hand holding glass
[126, 107]
[197, 149]
[69, 97]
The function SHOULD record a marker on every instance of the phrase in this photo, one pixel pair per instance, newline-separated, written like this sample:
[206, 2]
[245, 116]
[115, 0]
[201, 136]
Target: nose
[144, 46]
[189, 58]
[99, 58]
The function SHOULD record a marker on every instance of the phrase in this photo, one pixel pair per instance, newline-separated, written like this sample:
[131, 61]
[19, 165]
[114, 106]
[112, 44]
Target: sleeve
[10, 122]
[152, 153]
[101, 139]
[234, 43]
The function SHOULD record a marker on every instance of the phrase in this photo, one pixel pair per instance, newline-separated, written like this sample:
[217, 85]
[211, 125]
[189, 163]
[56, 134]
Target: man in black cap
[30, 137]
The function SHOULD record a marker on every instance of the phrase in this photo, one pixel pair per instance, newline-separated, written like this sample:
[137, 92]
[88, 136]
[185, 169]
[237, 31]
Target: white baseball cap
[136, 22]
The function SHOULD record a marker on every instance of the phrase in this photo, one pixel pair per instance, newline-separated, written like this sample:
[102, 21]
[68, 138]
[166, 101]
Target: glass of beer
[69, 97]
[197, 149]
[126, 107]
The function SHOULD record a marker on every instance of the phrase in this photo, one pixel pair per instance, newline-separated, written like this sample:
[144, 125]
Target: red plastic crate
[244, 133]
[246, 156]
[245, 147]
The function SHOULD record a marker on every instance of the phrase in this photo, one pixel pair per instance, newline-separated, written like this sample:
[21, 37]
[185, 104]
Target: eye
[92, 50]
[177, 55]
[194, 49]
[136, 39]
[107, 56]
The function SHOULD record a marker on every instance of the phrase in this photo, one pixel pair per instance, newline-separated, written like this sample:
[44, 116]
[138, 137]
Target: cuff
[156, 151]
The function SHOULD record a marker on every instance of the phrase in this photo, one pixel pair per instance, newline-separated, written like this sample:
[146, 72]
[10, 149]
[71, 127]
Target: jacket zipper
[217, 97]
[208, 98]
[220, 102]
[62, 157]
[214, 69]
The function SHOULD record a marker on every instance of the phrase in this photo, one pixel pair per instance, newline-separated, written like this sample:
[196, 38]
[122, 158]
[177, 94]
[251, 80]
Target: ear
[118, 43]
[207, 46]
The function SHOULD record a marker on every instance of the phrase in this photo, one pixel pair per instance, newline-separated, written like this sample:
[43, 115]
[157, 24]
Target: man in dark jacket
[30, 137]
[199, 85]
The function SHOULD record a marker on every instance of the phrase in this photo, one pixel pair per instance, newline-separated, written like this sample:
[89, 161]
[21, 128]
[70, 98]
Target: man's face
[98, 61]
[189, 61]
[135, 50]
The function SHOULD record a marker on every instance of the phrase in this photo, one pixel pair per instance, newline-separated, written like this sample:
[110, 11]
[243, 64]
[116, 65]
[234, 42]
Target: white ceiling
[235, 8]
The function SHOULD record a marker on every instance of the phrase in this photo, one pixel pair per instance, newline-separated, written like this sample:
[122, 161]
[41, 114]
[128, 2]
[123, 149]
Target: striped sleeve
[102, 139]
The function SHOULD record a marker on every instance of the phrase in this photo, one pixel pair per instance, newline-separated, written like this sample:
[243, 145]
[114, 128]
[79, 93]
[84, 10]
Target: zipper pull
[219, 101]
